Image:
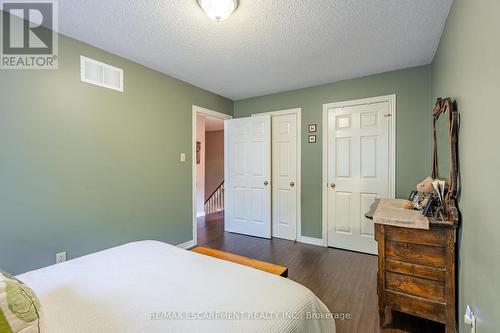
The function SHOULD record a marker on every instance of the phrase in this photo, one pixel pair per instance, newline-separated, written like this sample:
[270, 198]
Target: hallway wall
[214, 161]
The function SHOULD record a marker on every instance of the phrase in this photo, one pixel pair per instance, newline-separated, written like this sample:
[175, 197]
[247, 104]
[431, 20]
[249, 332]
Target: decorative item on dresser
[416, 267]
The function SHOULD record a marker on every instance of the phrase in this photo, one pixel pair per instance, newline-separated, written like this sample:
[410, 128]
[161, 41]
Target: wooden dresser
[416, 272]
[416, 267]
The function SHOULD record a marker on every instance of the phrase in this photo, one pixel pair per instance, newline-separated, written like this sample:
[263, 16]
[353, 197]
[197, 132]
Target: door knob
[332, 185]
[292, 184]
[266, 183]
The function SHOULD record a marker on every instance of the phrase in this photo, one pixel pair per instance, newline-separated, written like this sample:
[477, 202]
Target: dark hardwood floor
[345, 281]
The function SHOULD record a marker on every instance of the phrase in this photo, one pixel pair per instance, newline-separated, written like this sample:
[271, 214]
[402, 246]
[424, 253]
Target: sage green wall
[467, 67]
[412, 87]
[83, 168]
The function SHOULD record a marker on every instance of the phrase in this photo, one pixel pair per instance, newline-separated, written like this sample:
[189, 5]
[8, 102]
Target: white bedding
[135, 287]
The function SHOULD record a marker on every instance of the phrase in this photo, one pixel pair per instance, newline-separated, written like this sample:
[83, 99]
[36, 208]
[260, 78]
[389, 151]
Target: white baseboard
[200, 214]
[187, 245]
[312, 241]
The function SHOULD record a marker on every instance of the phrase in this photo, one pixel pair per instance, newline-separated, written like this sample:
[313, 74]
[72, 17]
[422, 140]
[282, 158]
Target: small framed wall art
[312, 139]
[313, 128]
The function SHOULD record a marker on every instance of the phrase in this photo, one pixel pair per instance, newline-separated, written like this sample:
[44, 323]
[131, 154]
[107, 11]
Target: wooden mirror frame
[448, 107]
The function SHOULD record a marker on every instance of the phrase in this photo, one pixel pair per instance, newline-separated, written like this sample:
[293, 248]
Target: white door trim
[210, 113]
[391, 99]
[298, 113]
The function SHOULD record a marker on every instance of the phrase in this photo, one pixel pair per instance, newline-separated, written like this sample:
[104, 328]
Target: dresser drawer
[434, 236]
[426, 255]
[415, 286]
[426, 272]
[416, 306]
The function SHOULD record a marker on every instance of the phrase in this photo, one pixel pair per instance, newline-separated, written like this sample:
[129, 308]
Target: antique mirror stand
[446, 126]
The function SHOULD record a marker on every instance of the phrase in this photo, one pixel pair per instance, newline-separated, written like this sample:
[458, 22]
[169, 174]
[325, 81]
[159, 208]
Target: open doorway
[214, 166]
[208, 173]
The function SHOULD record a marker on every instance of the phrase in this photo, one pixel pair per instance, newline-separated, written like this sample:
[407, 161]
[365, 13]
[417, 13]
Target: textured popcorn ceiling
[266, 46]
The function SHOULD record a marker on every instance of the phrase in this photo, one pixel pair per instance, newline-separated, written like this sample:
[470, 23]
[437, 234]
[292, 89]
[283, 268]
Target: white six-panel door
[359, 169]
[284, 181]
[248, 176]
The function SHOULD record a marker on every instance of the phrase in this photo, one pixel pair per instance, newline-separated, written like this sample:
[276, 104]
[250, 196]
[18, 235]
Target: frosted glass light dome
[218, 10]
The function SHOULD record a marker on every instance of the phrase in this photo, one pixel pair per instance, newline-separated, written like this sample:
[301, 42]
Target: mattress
[151, 286]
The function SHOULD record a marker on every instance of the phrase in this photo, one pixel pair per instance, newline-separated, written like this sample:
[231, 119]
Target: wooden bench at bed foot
[254, 263]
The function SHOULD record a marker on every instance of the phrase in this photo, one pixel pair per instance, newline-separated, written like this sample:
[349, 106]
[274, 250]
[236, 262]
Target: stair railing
[215, 203]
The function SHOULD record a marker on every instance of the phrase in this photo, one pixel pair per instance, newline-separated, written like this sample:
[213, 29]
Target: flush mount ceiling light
[218, 10]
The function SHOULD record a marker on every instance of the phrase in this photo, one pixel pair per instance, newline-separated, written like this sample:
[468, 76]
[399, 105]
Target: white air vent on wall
[100, 74]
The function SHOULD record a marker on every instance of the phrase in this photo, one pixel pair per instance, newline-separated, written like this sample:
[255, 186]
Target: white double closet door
[261, 183]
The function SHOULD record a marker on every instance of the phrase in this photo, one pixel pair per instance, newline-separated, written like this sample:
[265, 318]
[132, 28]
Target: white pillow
[19, 306]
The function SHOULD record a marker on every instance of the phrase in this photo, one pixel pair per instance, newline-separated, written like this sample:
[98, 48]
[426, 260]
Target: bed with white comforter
[151, 286]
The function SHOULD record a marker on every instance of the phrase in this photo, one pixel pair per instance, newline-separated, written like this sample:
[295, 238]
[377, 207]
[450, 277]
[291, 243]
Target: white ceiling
[266, 46]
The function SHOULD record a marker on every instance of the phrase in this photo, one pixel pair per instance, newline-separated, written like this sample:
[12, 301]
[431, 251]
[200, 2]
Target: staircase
[215, 203]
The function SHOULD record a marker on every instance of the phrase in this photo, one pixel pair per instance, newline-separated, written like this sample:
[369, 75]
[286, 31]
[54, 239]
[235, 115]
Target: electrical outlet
[470, 319]
[60, 257]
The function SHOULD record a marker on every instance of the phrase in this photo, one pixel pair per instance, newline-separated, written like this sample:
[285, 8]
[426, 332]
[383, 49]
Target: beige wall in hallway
[214, 161]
